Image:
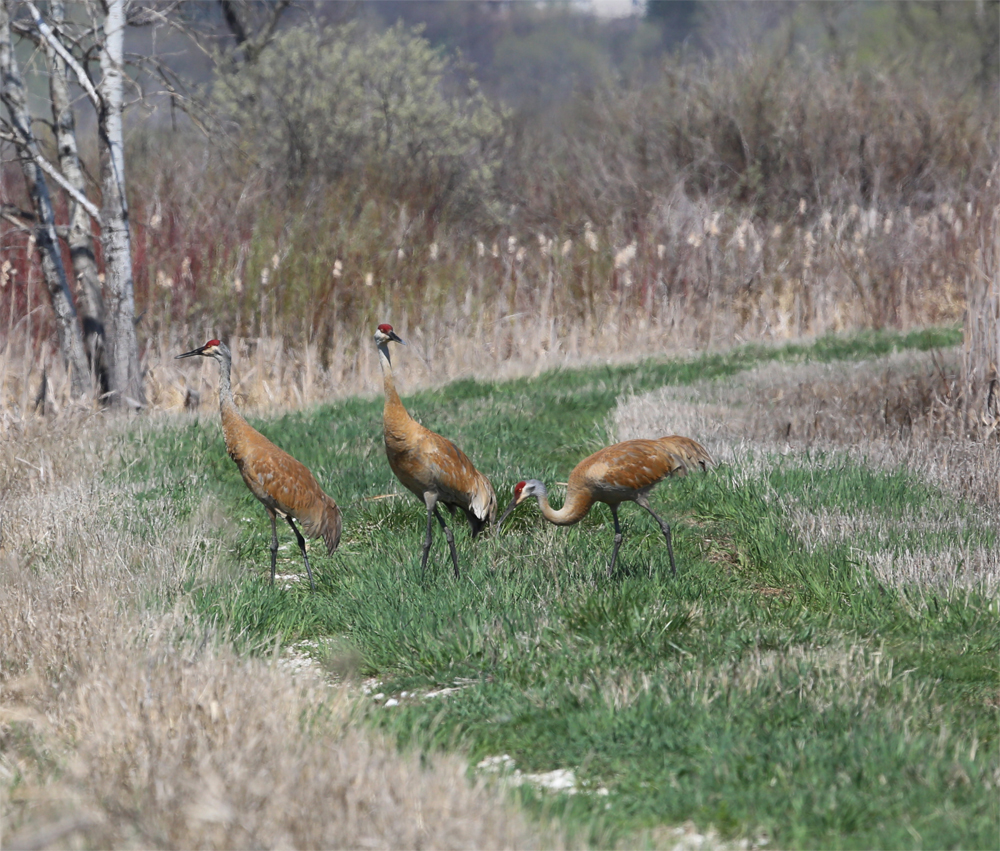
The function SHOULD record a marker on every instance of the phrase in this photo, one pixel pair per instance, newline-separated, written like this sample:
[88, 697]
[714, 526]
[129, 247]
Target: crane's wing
[278, 480]
[458, 479]
[686, 453]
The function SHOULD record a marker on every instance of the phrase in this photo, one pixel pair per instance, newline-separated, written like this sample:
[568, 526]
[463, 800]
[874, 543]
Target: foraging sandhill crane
[428, 465]
[620, 473]
[281, 483]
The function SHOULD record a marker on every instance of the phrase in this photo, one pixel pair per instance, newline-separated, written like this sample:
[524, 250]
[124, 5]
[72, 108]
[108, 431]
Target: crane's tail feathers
[475, 523]
[330, 525]
[482, 508]
[688, 453]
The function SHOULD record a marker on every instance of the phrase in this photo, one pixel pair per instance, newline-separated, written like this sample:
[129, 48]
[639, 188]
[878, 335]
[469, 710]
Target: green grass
[770, 688]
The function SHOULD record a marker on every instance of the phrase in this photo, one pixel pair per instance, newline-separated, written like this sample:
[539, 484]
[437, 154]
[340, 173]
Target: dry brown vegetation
[716, 278]
[762, 194]
[786, 202]
[891, 413]
[120, 729]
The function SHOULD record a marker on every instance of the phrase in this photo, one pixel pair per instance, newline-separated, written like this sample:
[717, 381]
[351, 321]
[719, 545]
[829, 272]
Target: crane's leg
[430, 500]
[618, 539]
[274, 542]
[641, 499]
[302, 547]
[451, 539]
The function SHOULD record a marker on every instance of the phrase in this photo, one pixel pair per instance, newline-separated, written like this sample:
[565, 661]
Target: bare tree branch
[54, 173]
[14, 218]
[252, 43]
[81, 74]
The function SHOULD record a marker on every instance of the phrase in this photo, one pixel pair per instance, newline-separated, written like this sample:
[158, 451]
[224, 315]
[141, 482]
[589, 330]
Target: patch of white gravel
[557, 780]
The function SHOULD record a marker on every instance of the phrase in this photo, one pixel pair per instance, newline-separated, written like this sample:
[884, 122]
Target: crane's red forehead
[213, 343]
[519, 487]
[385, 328]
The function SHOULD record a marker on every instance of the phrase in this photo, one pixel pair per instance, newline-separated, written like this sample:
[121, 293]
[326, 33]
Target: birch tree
[90, 299]
[122, 344]
[18, 129]
[109, 316]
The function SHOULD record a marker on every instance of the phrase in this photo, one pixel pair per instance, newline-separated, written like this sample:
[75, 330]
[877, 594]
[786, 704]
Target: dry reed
[706, 278]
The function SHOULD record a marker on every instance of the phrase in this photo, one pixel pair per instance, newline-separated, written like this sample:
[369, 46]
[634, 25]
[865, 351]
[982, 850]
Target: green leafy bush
[380, 111]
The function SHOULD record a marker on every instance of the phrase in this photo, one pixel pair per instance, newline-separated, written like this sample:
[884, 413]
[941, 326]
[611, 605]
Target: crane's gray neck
[225, 387]
[392, 399]
[383, 356]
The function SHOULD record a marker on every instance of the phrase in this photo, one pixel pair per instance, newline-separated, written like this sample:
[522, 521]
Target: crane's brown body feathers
[619, 473]
[624, 472]
[283, 485]
[430, 466]
[423, 460]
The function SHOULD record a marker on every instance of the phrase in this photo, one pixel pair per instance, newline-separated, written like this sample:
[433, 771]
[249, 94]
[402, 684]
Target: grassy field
[776, 687]
[821, 672]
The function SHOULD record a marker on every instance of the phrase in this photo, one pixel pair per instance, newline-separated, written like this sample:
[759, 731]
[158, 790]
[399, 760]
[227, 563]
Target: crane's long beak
[396, 338]
[513, 504]
[199, 351]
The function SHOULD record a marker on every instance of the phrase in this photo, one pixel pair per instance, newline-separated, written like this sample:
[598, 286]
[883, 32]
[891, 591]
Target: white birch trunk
[121, 342]
[12, 93]
[90, 300]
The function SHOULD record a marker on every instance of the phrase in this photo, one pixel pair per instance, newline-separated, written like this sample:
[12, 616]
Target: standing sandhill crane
[616, 474]
[431, 467]
[281, 483]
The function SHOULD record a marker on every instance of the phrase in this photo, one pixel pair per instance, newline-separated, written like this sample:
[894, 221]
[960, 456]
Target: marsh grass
[819, 672]
[125, 721]
[704, 276]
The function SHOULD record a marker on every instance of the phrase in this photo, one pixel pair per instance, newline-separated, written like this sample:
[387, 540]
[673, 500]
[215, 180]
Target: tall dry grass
[123, 726]
[903, 411]
[764, 194]
[706, 277]
[981, 351]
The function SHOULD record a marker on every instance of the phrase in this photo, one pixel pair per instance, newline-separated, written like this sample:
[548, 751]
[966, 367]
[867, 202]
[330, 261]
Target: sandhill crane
[281, 483]
[620, 473]
[428, 465]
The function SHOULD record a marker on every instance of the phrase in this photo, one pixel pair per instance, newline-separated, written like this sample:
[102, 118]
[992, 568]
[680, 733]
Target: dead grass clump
[225, 752]
[118, 728]
[894, 561]
[899, 411]
[164, 743]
